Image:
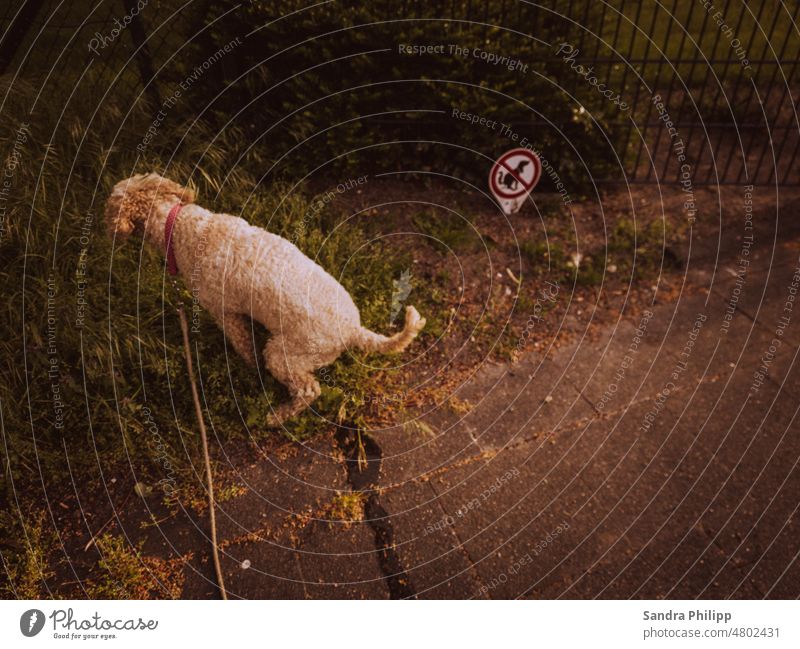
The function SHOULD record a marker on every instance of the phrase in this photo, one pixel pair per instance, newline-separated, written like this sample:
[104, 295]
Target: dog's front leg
[301, 399]
[294, 368]
[238, 330]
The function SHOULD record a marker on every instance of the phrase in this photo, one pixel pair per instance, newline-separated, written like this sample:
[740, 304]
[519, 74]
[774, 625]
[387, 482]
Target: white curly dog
[238, 271]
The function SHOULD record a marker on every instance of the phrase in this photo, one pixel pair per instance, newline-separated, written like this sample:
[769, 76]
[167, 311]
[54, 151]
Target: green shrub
[360, 103]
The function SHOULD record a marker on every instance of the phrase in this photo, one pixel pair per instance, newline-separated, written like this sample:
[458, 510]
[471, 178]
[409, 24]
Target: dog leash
[172, 268]
[169, 226]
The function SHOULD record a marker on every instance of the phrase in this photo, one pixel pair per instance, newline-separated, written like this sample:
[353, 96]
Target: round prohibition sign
[515, 173]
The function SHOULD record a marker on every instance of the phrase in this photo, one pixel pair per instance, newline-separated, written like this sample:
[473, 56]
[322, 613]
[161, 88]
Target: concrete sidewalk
[654, 458]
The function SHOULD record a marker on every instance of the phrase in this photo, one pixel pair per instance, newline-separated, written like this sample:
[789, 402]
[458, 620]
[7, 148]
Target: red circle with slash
[508, 163]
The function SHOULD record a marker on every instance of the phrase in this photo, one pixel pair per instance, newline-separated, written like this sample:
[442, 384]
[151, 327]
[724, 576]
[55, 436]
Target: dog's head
[133, 199]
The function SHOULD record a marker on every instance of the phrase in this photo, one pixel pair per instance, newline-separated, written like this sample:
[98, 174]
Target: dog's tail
[369, 341]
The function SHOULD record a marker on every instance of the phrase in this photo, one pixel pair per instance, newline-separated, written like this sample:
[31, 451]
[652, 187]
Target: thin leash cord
[201, 422]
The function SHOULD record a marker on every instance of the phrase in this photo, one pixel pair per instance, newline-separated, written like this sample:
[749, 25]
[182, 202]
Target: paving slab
[412, 451]
[427, 544]
[509, 510]
[259, 569]
[533, 397]
[280, 485]
[341, 562]
[666, 493]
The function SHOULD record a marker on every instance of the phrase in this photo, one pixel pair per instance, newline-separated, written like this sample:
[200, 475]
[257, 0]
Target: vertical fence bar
[781, 100]
[656, 83]
[582, 31]
[701, 107]
[630, 173]
[793, 159]
[721, 91]
[763, 102]
[639, 82]
[570, 13]
[612, 57]
[537, 26]
[693, 65]
[599, 38]
[688, 84]
[675, 74]
[646, 121]
[753, 92]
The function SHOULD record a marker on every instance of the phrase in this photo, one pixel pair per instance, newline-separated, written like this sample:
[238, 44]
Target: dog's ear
[161, 186]
[187, 194]
[119, 209]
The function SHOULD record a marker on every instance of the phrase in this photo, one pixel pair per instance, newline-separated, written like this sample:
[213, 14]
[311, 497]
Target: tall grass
[90, 332]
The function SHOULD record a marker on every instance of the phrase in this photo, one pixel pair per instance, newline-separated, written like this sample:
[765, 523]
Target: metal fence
[712, 88]
[727, 78]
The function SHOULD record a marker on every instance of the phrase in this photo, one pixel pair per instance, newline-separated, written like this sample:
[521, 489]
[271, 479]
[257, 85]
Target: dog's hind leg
[296, 372]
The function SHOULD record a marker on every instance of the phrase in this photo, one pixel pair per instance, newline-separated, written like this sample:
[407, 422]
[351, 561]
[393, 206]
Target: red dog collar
[172, 263]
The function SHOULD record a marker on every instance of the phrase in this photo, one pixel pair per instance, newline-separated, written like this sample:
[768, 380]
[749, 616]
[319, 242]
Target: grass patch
[545, 258]
[25, 563]
[347, 508]
[642, 250]
[632, 248]
[128, 574]
[448, 233]
[587, 270]
[460, 407]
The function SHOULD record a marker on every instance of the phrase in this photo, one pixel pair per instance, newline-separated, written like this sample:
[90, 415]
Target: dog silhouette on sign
[509, 180]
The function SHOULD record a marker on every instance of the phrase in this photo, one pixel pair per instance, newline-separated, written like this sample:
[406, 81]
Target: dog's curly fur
[239, 271]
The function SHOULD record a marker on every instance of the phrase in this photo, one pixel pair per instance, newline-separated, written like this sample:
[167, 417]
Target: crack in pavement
[363, 474]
